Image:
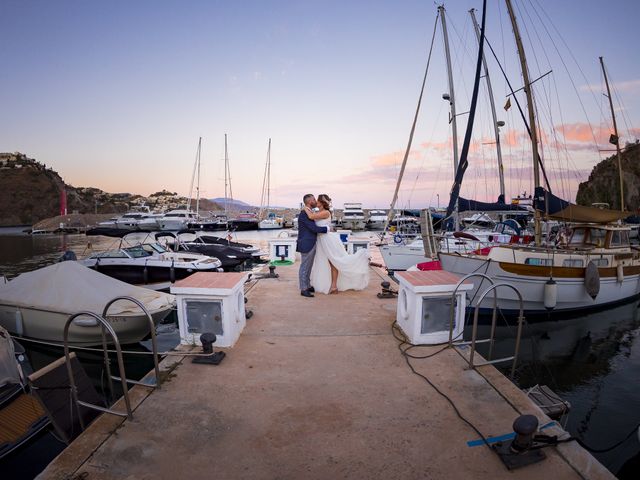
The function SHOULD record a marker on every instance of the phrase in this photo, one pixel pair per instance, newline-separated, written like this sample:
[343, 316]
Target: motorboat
[243, 222]
[150, 264]
[37, 305]
[139, 219]
[353, 217]
[231, 258]
[377, 220]
[179, 219]
[244, 247]
[213, 224]
[272, 222]
[22, 417]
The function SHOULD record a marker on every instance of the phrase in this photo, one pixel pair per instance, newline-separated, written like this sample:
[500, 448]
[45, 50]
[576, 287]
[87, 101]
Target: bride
[333, 268]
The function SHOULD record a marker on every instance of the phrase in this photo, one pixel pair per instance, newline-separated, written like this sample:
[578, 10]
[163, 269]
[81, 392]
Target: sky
[116, 94]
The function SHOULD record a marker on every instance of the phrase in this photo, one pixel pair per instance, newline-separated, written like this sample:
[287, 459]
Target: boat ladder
[493, 287]
[124, 381]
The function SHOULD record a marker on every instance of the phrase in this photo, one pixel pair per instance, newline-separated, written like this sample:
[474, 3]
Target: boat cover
[9, 372]
[465, 205]
[69, 287]
[559, 209]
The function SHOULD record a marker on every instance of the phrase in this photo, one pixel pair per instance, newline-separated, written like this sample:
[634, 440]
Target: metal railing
[74, 391]
[474, 332]
[105, 327]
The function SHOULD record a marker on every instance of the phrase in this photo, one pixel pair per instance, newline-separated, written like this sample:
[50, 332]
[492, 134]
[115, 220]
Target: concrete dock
[316, 388]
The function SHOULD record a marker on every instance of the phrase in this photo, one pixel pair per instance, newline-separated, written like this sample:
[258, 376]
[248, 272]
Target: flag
[507, 105]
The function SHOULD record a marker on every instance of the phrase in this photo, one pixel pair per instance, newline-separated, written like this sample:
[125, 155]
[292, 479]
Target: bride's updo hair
[325, 201]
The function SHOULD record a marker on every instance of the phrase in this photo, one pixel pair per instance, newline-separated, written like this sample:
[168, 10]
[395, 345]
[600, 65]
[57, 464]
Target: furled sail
[558, 209]
[465, 205]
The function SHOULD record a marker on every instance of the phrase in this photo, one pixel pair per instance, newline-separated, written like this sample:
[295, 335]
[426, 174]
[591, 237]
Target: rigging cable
[413, 129]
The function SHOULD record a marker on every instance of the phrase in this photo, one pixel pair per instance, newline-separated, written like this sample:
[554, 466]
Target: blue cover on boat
[465, 205]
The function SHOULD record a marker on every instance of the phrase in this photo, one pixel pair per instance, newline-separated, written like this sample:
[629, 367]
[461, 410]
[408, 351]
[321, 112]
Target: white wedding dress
[353, 270]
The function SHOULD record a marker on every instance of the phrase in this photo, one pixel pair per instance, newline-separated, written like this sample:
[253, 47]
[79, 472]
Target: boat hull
[572, 296]
[353, 224]
[49, 326]
[401, 257]
[242, 226]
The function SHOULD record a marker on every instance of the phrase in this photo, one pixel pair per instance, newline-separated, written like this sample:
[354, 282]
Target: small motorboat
[37, 305]
[21, 415]
[231, 258]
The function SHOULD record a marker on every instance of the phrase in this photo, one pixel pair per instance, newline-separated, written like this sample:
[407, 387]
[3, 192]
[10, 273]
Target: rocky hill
[30, 192]
[603, 184]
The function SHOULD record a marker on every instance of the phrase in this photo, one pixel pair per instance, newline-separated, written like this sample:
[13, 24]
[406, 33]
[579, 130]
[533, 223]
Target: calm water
[593, 362]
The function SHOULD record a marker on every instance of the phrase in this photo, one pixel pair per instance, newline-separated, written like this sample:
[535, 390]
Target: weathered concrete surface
[316, 388]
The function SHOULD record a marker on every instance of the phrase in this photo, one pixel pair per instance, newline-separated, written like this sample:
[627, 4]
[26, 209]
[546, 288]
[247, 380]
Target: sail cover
[555, 207]
[465, 205]
[69, 287]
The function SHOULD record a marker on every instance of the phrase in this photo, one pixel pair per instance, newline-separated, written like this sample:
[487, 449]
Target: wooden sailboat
[595, 268]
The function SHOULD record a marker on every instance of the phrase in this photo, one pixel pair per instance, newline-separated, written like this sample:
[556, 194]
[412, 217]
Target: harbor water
[591, 361]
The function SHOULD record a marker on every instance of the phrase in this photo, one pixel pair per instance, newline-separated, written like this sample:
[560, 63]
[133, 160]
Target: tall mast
[452, 101]
[532, 115]
[496, 127]
[198, 176]
[269, 175]
[226, 178]
[615, 133]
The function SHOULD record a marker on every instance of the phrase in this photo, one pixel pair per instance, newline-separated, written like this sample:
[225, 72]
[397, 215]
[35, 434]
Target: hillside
[30, 192]
[603, 183]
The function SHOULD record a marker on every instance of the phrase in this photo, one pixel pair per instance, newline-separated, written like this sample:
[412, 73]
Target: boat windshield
[157, 247]
[139, 251]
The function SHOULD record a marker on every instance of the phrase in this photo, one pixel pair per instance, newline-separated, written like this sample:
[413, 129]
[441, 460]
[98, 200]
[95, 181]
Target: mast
[615, 134]
[226, 178]
[198, 177]
[496, 127]
[269, 175]
[452, 102]
[532, 115]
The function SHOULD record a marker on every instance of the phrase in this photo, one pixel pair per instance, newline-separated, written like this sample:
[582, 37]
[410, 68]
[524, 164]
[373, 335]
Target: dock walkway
[316, 388]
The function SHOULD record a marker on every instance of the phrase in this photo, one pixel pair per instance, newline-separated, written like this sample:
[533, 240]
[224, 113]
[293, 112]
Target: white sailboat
[596, 268]
[268, 220]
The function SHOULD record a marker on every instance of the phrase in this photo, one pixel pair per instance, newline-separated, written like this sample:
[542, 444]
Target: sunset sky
[115, 94]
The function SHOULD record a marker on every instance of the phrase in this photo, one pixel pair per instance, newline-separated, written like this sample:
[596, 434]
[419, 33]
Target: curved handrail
[152, 328]
[74, 392]
[453, 299]
[494, 287]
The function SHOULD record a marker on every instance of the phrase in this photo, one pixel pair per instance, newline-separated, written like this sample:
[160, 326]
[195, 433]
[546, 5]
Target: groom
[306, 245]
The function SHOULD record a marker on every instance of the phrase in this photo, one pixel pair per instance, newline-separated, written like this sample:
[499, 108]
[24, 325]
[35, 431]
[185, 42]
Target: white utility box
[211, 302]
[344, 235]
[425, 303]
[282, 249]
[354, 244]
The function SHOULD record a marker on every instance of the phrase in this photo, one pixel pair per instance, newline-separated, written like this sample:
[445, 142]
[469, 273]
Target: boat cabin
[588, 236]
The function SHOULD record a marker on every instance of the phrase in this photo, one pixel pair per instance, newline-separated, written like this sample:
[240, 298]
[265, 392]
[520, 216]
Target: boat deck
[315, 388]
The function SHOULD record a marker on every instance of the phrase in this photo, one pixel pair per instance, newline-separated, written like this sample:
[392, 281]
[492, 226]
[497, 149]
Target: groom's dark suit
[306, 245]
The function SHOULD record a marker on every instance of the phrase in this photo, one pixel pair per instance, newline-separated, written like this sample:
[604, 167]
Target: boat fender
[145, 274]
[592, 280]
[172, 273]
[85, 322]
[97, 266]
[19, 323]
[620, 273]
[550, 294]
[403, 304]
[397, 238]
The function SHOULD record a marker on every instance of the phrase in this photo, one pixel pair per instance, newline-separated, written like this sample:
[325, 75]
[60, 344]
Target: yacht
[377, 220]
[353, 216]
[175, 220]
[244, 221]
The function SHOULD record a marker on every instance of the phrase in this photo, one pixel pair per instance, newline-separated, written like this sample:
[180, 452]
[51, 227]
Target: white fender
[620, 273]
[19, 323]
[550, 294]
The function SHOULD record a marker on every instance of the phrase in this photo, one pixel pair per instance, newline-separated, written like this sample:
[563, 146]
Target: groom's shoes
[311, 289]
[306, 293]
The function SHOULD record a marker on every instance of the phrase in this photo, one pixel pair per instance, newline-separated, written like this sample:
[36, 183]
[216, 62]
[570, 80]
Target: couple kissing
[326, 267]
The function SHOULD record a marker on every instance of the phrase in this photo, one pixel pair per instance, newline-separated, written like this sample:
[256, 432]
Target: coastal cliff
[30, 192]
[603, 184]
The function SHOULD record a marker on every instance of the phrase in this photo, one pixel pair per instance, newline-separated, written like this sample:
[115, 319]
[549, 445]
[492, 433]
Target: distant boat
[270, 221]
[376, 220]
[353, 216]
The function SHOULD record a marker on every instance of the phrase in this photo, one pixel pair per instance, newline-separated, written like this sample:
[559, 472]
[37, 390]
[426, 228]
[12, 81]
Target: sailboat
[595, 268]
[268, 220]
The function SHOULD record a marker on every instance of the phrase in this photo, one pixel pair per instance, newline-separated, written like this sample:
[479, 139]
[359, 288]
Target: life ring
[397, 238]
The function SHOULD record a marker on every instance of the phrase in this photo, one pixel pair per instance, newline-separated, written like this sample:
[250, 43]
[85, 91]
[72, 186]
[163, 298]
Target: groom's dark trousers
[306, 244]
